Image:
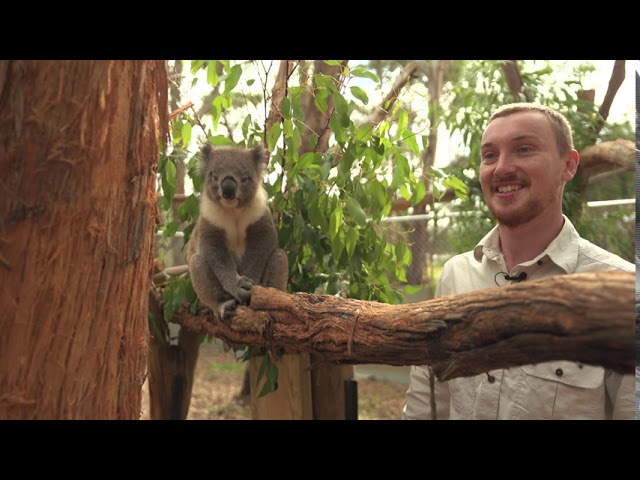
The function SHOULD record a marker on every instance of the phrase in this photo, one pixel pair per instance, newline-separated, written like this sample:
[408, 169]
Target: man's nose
[504, 166]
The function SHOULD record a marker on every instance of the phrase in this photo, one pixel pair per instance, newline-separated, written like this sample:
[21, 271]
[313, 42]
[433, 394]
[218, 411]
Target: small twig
[432, 400]
[181, 109]
[195, 114]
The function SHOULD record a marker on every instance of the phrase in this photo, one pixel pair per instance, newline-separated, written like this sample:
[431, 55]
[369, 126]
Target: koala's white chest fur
[235, 221]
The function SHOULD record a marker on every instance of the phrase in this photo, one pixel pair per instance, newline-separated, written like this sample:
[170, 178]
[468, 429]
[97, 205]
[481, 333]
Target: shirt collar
[563, 250]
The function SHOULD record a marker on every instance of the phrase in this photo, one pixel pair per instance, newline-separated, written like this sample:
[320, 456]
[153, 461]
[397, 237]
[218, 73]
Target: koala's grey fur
[235, 242]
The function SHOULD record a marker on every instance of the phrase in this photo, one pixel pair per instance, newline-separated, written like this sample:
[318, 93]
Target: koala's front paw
[226, 309]
[243, 292]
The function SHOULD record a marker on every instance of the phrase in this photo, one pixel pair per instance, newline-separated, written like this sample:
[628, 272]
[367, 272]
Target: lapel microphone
[519, 278]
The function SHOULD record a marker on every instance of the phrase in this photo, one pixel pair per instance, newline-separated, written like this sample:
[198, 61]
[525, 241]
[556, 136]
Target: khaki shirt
[550, 390]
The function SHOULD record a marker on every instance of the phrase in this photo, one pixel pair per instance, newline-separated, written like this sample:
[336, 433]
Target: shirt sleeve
[621, 395]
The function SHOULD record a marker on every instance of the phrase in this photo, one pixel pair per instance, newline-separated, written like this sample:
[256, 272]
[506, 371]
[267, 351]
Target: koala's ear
[206, 149]
[261, 154]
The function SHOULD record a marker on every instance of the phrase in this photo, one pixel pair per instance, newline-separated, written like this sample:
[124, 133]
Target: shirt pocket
[463, 396]
[565, 390]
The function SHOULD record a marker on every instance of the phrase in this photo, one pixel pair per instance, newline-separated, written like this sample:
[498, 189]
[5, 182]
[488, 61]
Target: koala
[234, 244]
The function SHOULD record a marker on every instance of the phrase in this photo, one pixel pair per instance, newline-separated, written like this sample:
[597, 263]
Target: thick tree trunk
[78, 152]
[587, 317]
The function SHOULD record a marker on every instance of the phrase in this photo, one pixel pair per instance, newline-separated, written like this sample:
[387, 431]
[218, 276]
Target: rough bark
[78, 152]
[608, 156]
[514, 80]
[315, 121]
[616, 80]
[587, 317]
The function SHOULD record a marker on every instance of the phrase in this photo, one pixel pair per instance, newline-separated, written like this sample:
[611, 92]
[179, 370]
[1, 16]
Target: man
[527, 157]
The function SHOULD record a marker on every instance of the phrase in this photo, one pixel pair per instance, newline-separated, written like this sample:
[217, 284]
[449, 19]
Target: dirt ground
[219, 380]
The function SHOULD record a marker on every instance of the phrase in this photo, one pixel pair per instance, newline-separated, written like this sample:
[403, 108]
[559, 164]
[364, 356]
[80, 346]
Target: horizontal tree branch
[586, 317]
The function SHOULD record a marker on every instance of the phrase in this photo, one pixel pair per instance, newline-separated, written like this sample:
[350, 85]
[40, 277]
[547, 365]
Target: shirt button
[559, 372]
[539, 262]
[580, 365]
[491, 378]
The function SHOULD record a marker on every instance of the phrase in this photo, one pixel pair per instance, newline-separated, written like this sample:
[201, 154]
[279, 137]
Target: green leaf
[271, 370]
[356, 212]
[342, 109]
[189, 208]
[272, 136]
[363, 134]
[360, 94]
[285, 108]
[186, 133]
[250, 82]
[169, 179]
[232, 78]
[412, 289]
[325, 169]
[403, 120]
[364, 73]
[195, 66]
[410, 139]
[419, 192]
[335, 221]
[170, 229]
[333, 62]
[379, 193]
[221, 140]
[337, 247]
[320, 100]
[212, 74]
[351, 240]
[338, 130]
[325, 81]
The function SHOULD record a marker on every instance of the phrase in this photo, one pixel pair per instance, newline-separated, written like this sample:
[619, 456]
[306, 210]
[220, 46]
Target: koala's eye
[215, 177]
[246, 179]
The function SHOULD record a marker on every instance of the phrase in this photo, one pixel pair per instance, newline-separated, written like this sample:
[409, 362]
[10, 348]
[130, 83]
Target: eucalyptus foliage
[328, 204]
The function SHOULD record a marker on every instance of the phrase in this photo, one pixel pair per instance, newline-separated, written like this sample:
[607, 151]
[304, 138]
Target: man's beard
[527, 212]
[515, 218]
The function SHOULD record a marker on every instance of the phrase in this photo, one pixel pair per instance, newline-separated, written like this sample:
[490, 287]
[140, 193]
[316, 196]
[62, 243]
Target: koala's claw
[244, 290]
[226, 309]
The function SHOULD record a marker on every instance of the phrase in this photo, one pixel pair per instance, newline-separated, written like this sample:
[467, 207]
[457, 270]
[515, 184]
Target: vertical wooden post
[292, 400]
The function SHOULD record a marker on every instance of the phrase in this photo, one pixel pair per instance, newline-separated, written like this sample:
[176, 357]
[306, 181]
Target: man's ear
[572, 160]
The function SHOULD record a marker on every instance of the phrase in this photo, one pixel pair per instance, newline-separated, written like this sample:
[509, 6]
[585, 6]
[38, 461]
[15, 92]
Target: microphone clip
[522, 276]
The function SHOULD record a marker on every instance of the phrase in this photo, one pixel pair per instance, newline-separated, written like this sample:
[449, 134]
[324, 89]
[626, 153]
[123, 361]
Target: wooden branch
[608, 156]
[586, 317]
[181, 109]
[278, 92]
[617, 77]
[392, 96]
[514, 80]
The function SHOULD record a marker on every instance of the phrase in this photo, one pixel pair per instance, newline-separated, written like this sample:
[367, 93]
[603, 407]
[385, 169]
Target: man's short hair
[559, 123]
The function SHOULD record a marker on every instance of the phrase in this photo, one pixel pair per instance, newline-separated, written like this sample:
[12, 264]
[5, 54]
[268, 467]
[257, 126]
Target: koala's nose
[228, 187]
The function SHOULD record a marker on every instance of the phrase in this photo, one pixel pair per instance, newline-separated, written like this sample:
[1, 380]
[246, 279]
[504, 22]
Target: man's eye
[488, 156]
[525, 149]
